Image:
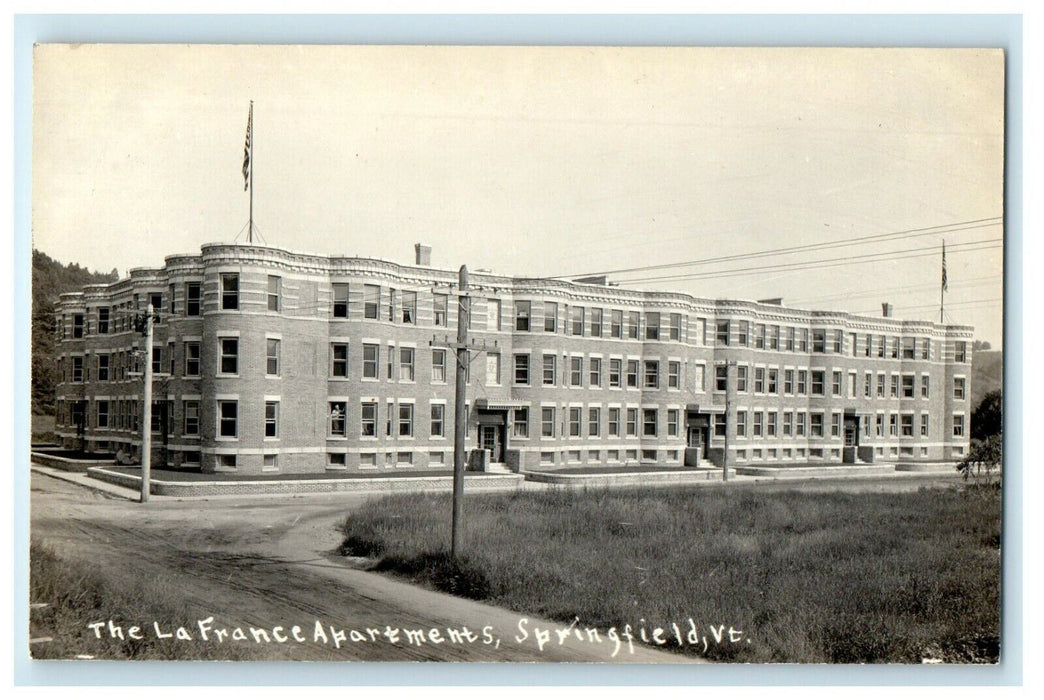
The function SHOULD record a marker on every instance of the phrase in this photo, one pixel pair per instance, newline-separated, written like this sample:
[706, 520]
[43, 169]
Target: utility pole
[146, 428]
[460, 415]
[728, 415]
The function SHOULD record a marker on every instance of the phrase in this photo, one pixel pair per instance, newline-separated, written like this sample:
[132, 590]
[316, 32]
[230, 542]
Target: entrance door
[694, 442]
[851, 432]
[489, 439]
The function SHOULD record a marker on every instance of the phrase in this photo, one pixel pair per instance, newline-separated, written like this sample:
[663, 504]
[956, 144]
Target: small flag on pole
[945, 285]
[246, 149]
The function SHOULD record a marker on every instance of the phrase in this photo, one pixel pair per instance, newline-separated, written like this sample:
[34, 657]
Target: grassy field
[808, 577]
[75, 595]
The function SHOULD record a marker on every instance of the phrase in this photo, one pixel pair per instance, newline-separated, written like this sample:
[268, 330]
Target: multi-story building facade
[267, 360]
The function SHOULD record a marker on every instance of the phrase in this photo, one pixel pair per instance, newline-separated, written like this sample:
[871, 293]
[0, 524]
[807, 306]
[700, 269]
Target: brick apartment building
[267, 360]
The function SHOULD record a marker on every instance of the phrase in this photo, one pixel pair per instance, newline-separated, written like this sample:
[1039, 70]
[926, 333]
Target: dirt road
[268, 563]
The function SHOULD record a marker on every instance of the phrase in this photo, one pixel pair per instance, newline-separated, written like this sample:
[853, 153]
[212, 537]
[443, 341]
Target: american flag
[945, 286]
[246, 150]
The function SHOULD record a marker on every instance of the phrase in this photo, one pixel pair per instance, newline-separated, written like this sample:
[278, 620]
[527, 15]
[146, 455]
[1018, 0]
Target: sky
[552, 161]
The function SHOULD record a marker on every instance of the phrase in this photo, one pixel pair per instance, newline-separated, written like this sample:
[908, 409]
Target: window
[743, 336]
[520, 423]
[924, 425]
[594, 422]
[156, 301]
[803, 340]
[926, 348]
[652, 325]
[371, 301]
[440, 304]
[722, 333]
[578, 320]
[368, 425]
[272, 357]
[652, 374]
[868, 350]
[77, 325]
[759, 424]
[576, 371]
[958, 388]
[788, 424]
[493, 369]
[649, 422]
[799, 423]
[895, 348]
[675, 331]
[632, 422]
[596, 323]
[228, 414]
[407, 357]
[229, 350]
[492, 314]
[574, 421]
[773, 381]
[550, 317]
[391, 305]
[839, 341]
[275, 284]
[102, 414]
[893, 424]
[909, 348]
[632, 373]
[759, 336]
[594, 366]
[880, 385]
[229, 291]
[338, 419]
[438, 365]
[818, 340]
[698, 378]
[790, 339]
[191, 421]
[958, 425]
[193, 296]
[816, 426]
[719, 425]
[522, 311]
[672, 422]
[103, 368]
[673, 375]
[171, 359]
[438, 413]
[271, 419]
[788, 381]
[908, 386]
[157, 360]
[371, 358]
[802, 382]
[613, 422]
[547, 421]
[409, 307]
[339, 359]
[741, 423]
[906, 425]
[616, 324]
[868, 385]
[818, 378]
[835, 424]
[895, 386]
[615, 372]
[759, 380]
[853, 384]
[721, 378]
[882, 346]
[103, 319]
[960, 351]
[550, 372]
[522, 369]
[340, 298]
[835, 384]
[633, 321]
[773, 338]
[924, 386]
[880, 425]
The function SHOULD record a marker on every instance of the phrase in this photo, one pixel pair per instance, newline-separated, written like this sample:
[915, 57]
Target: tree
[983, 460]
[987, 419]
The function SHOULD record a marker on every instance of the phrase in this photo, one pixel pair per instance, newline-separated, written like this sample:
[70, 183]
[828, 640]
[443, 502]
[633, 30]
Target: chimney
[886, 310]
[423, 257]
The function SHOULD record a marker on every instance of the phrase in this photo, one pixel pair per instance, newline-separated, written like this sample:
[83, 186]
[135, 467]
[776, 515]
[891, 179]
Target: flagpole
[942, 285]
[250, 225]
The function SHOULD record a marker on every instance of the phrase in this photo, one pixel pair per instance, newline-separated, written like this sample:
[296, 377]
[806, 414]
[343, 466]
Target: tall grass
[75, 594]
[809, 577]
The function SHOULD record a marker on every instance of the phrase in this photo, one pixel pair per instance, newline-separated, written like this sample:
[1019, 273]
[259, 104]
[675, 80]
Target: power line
[828, 262]
[908, 233]
[969, 282]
